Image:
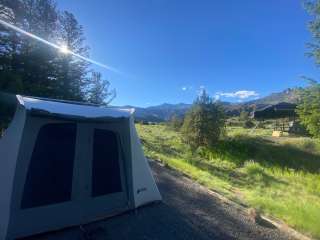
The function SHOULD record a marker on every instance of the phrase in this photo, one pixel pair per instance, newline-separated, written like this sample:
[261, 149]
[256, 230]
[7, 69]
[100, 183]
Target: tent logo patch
[141, 190]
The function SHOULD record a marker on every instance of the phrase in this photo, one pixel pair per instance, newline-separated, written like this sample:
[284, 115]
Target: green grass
[278, 176]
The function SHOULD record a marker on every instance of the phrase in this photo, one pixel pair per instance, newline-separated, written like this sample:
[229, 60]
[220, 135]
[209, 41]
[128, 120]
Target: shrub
[204, 123]
[244, 116]
[175, 122]
[261, 125]
[248, 124]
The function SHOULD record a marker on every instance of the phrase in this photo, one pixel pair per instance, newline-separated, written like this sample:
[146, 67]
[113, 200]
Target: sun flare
[64, 49]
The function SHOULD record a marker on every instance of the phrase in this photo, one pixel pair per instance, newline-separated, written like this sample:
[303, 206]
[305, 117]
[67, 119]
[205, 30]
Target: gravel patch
[188, 211]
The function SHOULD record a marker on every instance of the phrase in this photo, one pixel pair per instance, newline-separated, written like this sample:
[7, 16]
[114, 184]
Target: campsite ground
[188, 211]
[279, 177]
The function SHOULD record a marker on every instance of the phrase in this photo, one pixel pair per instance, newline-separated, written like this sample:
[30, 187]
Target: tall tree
[99, 90]
[313, 7]
[309, 106]
[25, 57]
[176, 122]
[30, 67]
[71, 72]
[9, 46]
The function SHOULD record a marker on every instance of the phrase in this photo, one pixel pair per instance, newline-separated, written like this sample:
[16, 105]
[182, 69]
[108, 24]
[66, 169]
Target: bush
[248, 124]
[175, 122]
[234, 122]
[204, 123]
[261, 125]
[244, 116]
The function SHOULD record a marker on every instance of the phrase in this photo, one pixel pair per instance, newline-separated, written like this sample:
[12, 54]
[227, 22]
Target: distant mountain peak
[289, 95]
[165, 111]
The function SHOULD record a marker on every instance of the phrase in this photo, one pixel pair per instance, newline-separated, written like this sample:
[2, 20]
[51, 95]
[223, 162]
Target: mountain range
[165, 111]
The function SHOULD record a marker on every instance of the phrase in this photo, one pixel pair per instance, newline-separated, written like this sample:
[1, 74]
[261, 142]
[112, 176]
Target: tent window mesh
[106, 177]
[50, 173]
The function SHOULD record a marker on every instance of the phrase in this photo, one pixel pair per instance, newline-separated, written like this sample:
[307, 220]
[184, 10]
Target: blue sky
[167, 50]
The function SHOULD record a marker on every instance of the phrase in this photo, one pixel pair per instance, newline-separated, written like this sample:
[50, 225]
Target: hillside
[165, 111]
[289, 95]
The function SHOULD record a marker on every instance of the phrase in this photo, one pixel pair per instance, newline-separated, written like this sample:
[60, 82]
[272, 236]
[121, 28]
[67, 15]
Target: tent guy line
[63, 49]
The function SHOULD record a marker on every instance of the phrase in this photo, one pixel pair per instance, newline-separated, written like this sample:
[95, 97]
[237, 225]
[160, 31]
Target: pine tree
[30, 67]
[71, 72]
[99, 92]
[10, 80]
[176, 122]
[204, 123]
[309, 108]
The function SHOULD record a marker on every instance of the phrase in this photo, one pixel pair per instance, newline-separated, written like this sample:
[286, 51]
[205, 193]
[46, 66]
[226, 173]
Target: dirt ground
[187, 212]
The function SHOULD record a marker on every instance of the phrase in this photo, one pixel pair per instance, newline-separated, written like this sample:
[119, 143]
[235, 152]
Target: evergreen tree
[244, 115]
[99, 92]
[313, 7]
[176, 122]
[10, 80]
[204, 123]
[309, 108]
[22, 56]
[71, 72]
[30, 67]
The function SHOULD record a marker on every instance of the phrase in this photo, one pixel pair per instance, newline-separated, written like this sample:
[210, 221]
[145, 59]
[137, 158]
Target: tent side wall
[33, 220]
[9, 148]
[144, 185]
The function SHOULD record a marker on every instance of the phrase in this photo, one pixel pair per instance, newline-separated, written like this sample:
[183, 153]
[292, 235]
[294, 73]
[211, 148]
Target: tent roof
[75, 109]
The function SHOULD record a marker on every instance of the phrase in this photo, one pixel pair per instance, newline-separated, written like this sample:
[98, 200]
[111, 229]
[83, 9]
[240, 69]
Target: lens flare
[64, 49]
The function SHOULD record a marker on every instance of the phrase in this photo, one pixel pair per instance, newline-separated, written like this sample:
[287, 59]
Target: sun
[64, 49]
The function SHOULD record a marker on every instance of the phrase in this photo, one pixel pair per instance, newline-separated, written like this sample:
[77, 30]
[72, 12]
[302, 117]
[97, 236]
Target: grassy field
[278, 176]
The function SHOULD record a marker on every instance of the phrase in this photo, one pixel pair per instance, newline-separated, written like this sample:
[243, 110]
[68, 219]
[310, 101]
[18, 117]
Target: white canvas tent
[64, 164]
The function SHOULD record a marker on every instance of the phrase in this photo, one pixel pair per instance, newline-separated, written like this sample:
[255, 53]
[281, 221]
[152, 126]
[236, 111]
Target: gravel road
[187, 212]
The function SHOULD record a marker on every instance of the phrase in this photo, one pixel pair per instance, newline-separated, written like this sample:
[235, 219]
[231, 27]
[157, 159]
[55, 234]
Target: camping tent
[64, 164]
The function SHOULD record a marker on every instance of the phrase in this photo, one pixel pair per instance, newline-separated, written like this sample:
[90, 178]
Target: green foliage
[313, 7]
[204, 123]
[248, 124]
[279, 176]
[175, 122]
[10, 82]
[261, 124]
[309, 108]
[98, 92]
[244, 115]
[30, 67]
[71, 73]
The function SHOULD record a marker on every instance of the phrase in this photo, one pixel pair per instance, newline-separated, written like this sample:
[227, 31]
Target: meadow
[280, 177]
